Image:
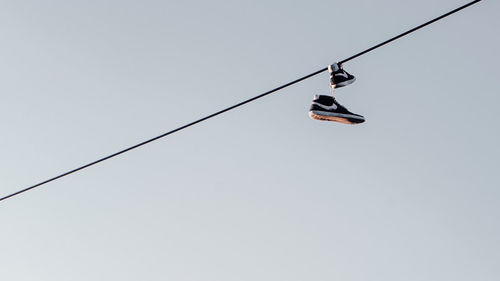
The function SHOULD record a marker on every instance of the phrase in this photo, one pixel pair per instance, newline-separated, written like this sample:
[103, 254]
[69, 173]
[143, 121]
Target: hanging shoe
[328, 109]
[339, 77]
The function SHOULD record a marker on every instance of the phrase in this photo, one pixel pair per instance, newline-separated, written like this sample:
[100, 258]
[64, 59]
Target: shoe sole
[345, 83]
[336, 117]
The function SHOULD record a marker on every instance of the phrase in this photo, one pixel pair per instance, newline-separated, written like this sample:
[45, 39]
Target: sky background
[262, 192]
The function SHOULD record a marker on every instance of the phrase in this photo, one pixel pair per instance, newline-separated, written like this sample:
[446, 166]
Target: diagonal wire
[164, 135]
[236, 105]
[410, 31]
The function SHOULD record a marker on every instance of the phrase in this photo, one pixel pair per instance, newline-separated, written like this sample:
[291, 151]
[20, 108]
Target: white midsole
[333, 114]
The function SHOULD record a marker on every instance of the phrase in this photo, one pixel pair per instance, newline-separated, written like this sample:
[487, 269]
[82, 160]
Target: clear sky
[263, 192]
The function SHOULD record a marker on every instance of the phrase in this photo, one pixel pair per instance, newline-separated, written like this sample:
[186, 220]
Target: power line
[410, 31]
[236, 105]
[164, 135]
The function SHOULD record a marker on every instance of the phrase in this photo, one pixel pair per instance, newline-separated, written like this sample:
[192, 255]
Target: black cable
[164, 135]
[409, 31]
[232, 107]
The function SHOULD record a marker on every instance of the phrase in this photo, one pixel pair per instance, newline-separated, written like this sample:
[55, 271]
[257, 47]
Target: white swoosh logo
[342, 74]
[332, 107]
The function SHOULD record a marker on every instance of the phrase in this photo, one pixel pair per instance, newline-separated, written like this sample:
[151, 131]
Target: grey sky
[263, 192]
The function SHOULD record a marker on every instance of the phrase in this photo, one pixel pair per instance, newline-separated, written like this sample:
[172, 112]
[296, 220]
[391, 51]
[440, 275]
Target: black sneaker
[339, 77]
[328, 109]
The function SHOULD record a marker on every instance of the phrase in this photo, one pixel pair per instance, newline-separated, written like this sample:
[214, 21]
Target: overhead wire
[236, 105]
[410, 31]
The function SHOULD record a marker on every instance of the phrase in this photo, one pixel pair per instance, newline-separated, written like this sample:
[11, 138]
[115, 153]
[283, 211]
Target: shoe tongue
[334, 67]
[316, 97]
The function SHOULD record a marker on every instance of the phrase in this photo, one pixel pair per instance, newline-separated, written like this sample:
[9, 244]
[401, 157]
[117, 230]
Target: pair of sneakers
[327, 108]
